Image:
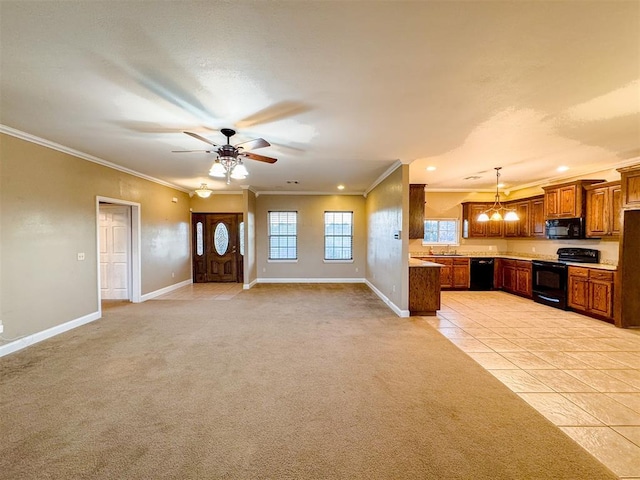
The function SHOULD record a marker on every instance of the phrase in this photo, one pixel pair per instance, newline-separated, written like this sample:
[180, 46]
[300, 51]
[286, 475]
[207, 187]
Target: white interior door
[115, 251]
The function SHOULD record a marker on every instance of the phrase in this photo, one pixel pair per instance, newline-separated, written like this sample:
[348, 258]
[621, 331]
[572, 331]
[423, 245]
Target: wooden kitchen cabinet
[604, 209]
[516, 277]
[566, 200]
[416, 211]
[454, 273]
[630, 186]
[471, 228]
[509, 275]
[523, 278]
[536, 212]
[627, 300]
[521, 227]
[424, 290]
[461, 273]
[591, 291]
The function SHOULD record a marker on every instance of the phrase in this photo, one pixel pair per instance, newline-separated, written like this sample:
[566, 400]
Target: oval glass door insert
[221, 238]
[199, 240]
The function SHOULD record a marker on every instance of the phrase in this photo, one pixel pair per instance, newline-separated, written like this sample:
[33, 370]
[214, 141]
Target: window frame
[456, 222]
[350, 236]
[272, 236]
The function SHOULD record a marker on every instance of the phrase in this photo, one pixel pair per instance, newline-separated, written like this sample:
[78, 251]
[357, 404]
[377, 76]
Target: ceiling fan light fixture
[203, 191]
[217, 170]
[495, 213]
[239, 171]
[228, 163]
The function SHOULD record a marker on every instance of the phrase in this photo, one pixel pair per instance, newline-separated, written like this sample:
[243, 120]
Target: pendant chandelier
[229, 166]
[497, 212]
[203, 191]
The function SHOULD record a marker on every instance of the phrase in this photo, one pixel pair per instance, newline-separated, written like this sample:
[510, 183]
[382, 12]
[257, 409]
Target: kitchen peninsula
[424, 287]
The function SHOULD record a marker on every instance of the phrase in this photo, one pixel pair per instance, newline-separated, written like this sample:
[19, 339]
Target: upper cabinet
[416, 210]
[472, 228]
[630, 187]
[566, 200]
[604, 207]
[530, 221]
[537, 217]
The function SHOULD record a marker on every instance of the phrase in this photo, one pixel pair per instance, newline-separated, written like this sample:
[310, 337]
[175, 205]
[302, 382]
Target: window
[338, 235]
[283, 239]
[441, 231]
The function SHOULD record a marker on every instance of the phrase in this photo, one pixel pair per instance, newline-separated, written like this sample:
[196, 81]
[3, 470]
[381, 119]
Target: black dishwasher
[481, 275]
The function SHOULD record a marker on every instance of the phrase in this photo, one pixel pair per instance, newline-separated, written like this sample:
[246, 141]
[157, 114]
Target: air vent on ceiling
[472, 177]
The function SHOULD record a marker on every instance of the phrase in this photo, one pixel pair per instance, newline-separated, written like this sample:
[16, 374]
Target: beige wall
[48, 202]
[250, 262]
[310, 264]
[387, 257]
[218, 203]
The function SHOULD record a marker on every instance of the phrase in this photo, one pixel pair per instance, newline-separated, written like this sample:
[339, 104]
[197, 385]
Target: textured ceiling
[342, 90]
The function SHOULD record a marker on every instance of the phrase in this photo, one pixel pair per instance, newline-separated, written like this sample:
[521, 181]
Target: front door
[216, 256]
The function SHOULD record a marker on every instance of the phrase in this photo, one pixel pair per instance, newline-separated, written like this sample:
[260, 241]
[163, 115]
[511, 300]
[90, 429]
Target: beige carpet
[278, 382]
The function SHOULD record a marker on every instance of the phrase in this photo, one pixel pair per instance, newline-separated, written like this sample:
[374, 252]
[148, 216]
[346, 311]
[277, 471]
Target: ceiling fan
[229, 158]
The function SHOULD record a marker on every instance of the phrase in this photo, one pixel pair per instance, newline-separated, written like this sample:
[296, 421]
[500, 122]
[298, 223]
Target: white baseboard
[248, 286]
[29, 340]
[162, 291]
[390, 304]
[311, 280]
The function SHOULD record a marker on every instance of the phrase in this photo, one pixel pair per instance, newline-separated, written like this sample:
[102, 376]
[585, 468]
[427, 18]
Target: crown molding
[381, 178]
[276, 192]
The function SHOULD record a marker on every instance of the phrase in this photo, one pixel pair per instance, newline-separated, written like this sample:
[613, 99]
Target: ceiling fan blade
[275, 112]
[195, 135]
[253, 144]
[192, 151]
[259, 158]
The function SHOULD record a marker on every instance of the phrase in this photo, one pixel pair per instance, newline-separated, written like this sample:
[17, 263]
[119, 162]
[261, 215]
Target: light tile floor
[581, 373]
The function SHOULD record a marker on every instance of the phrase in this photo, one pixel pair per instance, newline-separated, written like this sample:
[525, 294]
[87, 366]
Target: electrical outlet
[533, 249]
[393, 289]
[173, 275]
[357, 270]
[81, 256]
[1, 328]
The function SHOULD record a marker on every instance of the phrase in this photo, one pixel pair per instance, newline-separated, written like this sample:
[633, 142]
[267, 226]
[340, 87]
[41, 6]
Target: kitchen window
[441, 231]
[338, 236]
[283, 235]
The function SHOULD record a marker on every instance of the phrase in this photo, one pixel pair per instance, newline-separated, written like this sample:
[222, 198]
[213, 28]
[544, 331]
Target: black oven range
[549, 282]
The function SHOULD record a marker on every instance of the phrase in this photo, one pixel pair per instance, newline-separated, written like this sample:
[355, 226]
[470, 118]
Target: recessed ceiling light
[501, 185]
[340, 187]
[430, 168]
[563, 168]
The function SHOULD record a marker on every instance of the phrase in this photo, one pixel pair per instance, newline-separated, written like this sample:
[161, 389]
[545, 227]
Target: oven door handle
[549, 299]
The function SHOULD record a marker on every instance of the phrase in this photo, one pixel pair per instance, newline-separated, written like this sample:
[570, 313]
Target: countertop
[415, 262]
[600, 266]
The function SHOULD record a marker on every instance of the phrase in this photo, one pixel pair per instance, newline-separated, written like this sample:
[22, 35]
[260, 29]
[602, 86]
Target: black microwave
[565, 228]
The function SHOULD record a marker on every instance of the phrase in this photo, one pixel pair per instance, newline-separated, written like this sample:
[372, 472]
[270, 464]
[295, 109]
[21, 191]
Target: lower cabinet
[516, 277]
[455, 271]
[424, 290]
[591, 291]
